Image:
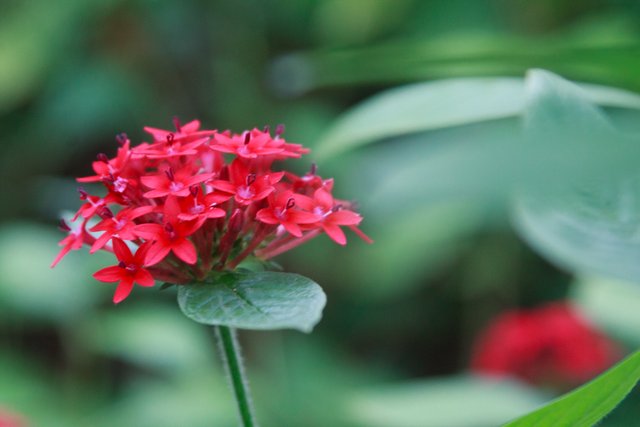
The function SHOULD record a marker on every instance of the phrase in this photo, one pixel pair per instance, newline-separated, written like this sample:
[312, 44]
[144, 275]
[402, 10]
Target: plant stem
[232, 360]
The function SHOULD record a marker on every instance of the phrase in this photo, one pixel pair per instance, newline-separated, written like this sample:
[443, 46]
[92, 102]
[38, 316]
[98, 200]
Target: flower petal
[156, 253]
[184, 249]
[336, 234]
[123, 290]
[109, 274]
[144, 278]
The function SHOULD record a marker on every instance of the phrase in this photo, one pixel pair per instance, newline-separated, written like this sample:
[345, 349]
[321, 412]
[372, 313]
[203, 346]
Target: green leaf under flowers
[254, 300]
[443, 103]
[588, 404]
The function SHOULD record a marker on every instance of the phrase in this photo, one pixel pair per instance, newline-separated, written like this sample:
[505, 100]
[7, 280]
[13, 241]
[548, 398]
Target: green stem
[230, 350]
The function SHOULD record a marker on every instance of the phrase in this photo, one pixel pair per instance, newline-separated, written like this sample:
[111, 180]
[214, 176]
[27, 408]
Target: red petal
[324, 198]
[265, 215]
[156, 253]
[144, 278]
[123, 290]
[185, 250]
[292, 228]
[336, 234]
[122, 251]
[300, 217]
[190, 127]
[148, 231]
[344, 218]
[61, 255]
[100, 242]
[109, 274]
[153, 181]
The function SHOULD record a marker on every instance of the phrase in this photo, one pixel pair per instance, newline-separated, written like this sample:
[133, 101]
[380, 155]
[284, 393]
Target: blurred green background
[394, 345]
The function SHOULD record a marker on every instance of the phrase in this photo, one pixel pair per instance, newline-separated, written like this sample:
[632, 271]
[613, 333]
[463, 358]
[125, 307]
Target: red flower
[194, 201]
[247, 187]
[120, 225]
[552, 343]
[172, 183]
[183, 133]
[170, 237]
[282, 211]
[130, 270]
[332, 215]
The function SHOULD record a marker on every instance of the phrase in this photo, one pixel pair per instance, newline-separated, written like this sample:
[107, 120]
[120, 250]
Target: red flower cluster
[194, 200]
[550, 345]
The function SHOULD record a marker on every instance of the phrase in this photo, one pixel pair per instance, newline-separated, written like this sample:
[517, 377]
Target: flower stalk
[232, 360]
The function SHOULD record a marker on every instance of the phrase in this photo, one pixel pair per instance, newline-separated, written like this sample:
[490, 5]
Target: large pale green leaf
[440, 104]
[260, 300]
[589, 219]
[612, 305]
[590, 403]
[449, 402]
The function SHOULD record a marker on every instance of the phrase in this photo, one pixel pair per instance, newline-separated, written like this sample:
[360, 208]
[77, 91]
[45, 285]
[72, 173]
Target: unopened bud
[62, 225]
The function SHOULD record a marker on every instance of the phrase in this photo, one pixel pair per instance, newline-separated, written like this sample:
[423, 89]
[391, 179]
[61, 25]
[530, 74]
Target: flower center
[175, 186]
[245, 192]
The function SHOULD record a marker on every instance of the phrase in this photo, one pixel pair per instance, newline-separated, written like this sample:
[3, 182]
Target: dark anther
[109, 179]
[224, 173]
[170, 230]
[170, 138]
[337, 207]
[279, 129]
[251, 178]
[83, 194]
[105, 213]
[266, 129]
[122, 138]
[290, 203]
[122, 264]
[247, 137]
[314, 169]
[194, 190]
[102, 158]
[176, 123]
[169, 173]
[62, 225]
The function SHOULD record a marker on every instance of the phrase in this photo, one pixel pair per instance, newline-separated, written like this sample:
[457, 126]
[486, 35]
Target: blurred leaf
[199, 399]
[29, 287]
[440, 104]
[153, 336]
[612, 305]
[262, 300]
[590, 403]
[584, 222]
[605, 52]
[450, 402]
[415, 244]
[26, 56]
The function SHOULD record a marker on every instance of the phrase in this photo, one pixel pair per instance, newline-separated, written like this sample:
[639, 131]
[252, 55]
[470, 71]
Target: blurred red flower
[551, 345]
[9, 419]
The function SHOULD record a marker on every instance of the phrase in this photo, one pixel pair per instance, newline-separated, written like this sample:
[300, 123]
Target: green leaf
[587, 220]
[261, 300]
[441, 104]
[588, 404]
[461, 401]
[610, 304]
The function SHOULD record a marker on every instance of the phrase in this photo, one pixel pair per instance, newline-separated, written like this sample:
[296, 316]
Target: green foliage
[590, 403]
[586, 221]
[443, 403]
[261, 300]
